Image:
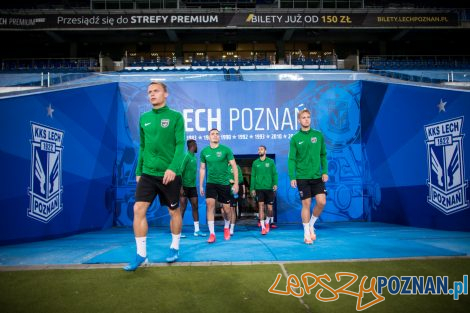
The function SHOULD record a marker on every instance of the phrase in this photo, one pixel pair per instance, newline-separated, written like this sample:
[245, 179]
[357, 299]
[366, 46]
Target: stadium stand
[427, 69]
[50, 65]
[412, 51]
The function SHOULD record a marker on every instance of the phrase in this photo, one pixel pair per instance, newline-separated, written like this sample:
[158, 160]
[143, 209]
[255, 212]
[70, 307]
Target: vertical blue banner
[417, 152]
[57, 158]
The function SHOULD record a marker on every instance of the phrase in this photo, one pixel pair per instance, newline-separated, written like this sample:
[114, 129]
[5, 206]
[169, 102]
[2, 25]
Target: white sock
[227, 224]
[196, 226]
[313, 219]
[262, 224]
[266, 221]
[271, 219]
[210, 224]
[232, 228]
[175, 241]
[141, 243]
[306, 230]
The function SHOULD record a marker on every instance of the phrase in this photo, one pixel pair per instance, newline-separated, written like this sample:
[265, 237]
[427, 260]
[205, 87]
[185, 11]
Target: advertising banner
[90, 21]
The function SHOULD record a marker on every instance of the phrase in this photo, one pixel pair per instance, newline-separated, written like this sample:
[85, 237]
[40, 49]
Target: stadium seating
[414, 62]
[49, 65]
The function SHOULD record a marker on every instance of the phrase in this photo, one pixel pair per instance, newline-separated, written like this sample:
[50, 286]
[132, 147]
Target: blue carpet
[335, 241]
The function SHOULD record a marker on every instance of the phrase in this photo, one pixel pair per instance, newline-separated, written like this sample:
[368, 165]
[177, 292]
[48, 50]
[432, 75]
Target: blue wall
[249, 114]
[411, 135]
[68, 157]
[57, 179]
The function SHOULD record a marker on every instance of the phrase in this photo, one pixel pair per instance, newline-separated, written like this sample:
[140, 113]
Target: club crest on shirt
[219, 154]
[45, 188]
[446, 174]
[313, 139]
[165, 122]
[267, 165]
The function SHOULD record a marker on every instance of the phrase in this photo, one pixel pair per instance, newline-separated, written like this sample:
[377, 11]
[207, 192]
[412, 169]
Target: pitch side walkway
[335, 241]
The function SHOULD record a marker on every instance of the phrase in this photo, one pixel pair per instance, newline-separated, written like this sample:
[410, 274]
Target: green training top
[307, 155]
[263, 174]
[216, 164]
[188, 170]
[162, 139]
[240, 175]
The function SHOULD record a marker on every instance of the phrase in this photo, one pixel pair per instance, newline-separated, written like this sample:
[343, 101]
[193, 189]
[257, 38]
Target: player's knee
[321, 203]
[174, 211]
[140, 209]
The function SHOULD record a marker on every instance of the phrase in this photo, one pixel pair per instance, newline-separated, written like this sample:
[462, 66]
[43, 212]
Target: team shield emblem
[339, 116]
[165, 123]
[45, 189]
[446, 174]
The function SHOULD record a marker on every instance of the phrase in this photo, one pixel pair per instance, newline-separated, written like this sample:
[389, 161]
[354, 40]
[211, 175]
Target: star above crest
[50, 110]
[442, 106]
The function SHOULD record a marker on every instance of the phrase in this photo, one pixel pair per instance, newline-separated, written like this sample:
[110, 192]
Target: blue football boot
[139, 260]
[172, 255]
[199, 234]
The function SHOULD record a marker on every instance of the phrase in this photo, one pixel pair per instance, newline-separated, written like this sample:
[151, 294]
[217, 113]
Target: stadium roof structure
[74, 28]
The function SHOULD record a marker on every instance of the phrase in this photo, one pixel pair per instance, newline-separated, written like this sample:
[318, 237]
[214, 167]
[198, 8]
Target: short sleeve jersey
[216, 160]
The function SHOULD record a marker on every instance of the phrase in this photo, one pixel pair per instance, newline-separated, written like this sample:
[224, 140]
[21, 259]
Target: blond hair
[302, 112]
